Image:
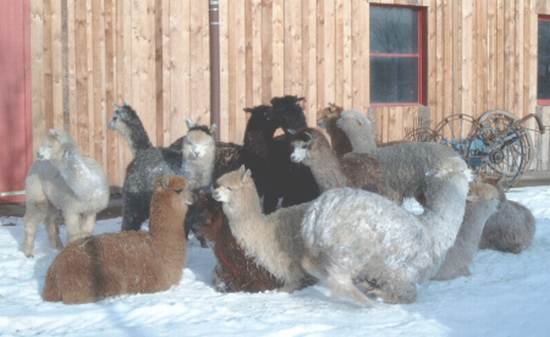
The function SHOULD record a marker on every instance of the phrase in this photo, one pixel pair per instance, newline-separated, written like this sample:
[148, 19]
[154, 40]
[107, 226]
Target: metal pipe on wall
[214, 32]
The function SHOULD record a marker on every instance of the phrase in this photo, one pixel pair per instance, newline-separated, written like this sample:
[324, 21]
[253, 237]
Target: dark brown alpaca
[129, 262]
[326, 119]
[234, 271]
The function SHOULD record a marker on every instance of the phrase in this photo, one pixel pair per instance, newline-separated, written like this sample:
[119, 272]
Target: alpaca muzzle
[298, 155]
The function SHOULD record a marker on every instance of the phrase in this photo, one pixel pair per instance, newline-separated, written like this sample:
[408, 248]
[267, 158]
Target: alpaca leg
[88, 224]
[72, 226]
[52, 225]
[343, 288]
[34, 214]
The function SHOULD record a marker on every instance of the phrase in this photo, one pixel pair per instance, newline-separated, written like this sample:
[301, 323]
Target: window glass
[394, 79]
[544, 60]
[396, 55]
[393, 30]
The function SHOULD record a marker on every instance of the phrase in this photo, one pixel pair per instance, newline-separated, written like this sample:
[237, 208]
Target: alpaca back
[510, 229]
[366, 233]
[127, 262]
[408, 167]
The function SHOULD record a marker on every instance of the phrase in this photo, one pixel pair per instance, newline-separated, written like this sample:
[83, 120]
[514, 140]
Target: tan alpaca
[482, 202]
[128, 262]
[273, 240]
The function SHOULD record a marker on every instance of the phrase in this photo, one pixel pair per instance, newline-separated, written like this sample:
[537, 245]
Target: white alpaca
[63, 180]
[354, 237]
[199, 152]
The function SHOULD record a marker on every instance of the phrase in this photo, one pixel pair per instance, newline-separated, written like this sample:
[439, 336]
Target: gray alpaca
[148, 164]
[63, 182]
[511, 229]
[483, 201]
[354, 238]
[399, 172]
[273, 240]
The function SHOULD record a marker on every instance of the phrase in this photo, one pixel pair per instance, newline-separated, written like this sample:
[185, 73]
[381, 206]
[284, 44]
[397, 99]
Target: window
[543, 78]
[397, 49]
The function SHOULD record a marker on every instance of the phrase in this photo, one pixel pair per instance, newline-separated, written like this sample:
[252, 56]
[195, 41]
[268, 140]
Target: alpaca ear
[309, 136]
[189, 123]
[213, 128]
[242, 169]
[249, 110]
[163, 182]
[360, 122]
[246, 175]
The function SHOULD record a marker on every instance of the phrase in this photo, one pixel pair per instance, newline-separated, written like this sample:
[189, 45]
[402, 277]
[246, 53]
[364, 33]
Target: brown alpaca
[326, 119]
[235, 271]
[129, 262]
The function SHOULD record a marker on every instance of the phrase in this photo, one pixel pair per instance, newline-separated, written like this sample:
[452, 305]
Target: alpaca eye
[178, 190]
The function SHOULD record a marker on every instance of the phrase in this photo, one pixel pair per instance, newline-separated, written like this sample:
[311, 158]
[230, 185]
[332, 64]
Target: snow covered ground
[507, 295]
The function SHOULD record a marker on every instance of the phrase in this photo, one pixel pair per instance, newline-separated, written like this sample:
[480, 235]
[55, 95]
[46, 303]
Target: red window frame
[542, 101]
[420, 55]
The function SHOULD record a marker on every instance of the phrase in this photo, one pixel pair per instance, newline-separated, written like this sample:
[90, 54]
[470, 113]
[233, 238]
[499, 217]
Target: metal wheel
[422, 135]
[506, 146]
[456, 131]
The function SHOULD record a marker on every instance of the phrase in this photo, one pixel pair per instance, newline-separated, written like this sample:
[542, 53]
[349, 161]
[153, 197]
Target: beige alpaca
[273, 240]
[63, 181]
[128, 262]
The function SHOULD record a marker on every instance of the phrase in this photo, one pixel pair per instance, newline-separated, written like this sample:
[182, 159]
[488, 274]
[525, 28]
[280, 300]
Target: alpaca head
[58, 144]
[305, 144]
[484, 195]
[234, 185]
[261, 118]
[332, 111]
[171, 194]
[288, 112]
[125, 121]
[353, 121]
[206, 217]
[199, 141]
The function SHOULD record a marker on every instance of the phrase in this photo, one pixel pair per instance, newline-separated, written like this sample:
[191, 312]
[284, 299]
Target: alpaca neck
[254, 232]
[78, 175]
[257, 138]
[339, 140]
[363, 140]
[166, 226]
[198, 172]
[326, 169]
[137, 138]
[443, 215]
[469, 235]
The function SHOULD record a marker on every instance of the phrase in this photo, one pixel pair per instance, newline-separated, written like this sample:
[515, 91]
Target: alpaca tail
[51, 292]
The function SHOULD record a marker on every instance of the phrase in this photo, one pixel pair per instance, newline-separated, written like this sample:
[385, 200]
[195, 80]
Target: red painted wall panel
[15, 103]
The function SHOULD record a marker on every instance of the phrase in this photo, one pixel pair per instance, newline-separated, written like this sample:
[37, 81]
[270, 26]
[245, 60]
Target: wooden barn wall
[89, 54]
[154, 55]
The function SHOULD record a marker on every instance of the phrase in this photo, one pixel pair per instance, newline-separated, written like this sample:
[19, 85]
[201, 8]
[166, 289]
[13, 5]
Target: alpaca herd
[279, 212]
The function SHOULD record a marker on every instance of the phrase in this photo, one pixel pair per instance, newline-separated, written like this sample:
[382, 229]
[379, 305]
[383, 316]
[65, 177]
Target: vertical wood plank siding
[154, 55]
